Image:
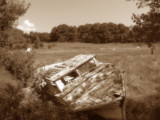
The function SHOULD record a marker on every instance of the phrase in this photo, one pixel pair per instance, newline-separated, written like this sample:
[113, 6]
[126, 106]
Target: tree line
[89, 33]
[146, 29]
[15, 104]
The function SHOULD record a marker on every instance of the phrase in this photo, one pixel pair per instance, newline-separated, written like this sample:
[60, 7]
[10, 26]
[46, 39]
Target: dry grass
[142, 70]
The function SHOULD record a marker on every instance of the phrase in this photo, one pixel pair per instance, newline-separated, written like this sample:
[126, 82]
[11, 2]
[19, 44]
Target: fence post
[152, 50]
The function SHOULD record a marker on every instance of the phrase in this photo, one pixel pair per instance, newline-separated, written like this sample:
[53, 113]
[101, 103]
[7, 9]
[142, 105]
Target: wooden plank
[111, 111]
[79, 82]
[72, 64]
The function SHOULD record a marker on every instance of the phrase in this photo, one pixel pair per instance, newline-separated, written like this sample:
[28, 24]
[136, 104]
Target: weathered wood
[71, 65]
[111, 111]
[101, 88]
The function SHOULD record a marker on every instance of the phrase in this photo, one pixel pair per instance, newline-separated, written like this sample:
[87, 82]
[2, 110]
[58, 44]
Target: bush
[23, 102]
[49, 46]
[9, 102]
[19, 64]
[18, 103]
[24, 46]
[36, 45]
[41, 45]
[19, 46]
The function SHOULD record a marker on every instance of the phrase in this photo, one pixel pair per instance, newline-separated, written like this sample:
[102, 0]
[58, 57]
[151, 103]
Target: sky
[43, 15]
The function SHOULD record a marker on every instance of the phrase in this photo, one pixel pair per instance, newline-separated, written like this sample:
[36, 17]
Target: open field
[141, 77]
[142, 70]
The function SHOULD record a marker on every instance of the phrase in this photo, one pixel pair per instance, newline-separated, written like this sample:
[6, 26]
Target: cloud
[28, 23]
[27, 26]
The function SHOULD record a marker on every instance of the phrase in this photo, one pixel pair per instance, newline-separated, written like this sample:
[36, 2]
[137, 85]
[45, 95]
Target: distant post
[152, 50]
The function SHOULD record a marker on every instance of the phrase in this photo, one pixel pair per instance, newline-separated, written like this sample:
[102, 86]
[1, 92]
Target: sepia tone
[79, 60]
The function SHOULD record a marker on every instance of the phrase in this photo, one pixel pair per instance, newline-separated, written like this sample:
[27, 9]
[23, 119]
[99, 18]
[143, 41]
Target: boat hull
[113, 111]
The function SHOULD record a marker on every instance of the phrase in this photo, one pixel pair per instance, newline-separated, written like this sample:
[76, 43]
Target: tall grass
[21, 102]
[141, 77]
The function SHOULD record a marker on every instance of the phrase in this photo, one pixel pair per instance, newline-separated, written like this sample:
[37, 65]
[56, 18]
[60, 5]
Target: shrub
[9, 101]
[41, 44]
[24, 46]
[19, 46]
[23, 102]
[19, 64]
[36, 45]
[18, 103]
[49, 46]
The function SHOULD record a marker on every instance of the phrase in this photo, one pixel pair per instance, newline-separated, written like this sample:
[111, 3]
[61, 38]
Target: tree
[90, 33]
[36, 41]
[149, 22]
[64, 33]
[10, 11]
[15, 37]
[44, 37]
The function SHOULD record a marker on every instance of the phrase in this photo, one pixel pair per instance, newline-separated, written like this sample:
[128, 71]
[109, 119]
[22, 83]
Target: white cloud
[28, 23]
[27, 26]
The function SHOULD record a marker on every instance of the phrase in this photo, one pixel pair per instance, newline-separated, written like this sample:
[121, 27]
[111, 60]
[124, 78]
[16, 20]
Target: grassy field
[141, 77]
[138, 64]
[142, 70]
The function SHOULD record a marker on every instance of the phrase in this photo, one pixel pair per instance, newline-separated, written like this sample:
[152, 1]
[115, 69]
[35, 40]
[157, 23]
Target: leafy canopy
[149, 22]
[10, 11]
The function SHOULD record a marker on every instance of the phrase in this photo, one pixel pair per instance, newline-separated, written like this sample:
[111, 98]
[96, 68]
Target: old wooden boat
[82, 83]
